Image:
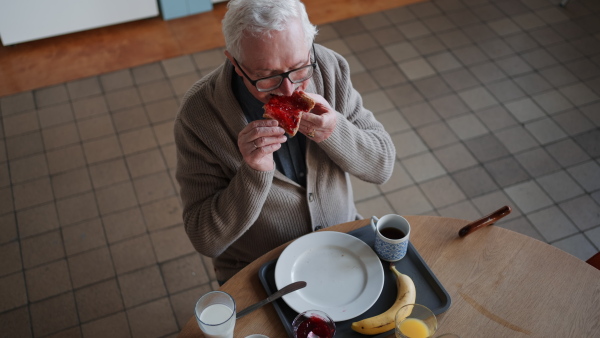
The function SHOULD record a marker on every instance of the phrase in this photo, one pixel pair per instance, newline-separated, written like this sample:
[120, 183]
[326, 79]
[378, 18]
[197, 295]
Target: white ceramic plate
[343, 274]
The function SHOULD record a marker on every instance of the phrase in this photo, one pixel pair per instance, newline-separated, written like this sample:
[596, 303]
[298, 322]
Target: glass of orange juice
[420, 323]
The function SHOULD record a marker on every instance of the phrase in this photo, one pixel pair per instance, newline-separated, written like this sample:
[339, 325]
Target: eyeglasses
[297, 75]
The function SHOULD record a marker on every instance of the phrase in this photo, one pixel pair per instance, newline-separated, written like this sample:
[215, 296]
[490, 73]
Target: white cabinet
[26, 20]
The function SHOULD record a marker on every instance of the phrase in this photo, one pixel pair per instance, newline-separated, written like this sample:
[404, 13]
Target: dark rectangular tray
[430, 292]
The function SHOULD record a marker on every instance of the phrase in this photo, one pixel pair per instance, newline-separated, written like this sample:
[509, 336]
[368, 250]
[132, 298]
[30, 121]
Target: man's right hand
[257, 142]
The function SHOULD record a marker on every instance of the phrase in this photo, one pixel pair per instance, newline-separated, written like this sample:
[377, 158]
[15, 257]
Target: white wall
[26, 20]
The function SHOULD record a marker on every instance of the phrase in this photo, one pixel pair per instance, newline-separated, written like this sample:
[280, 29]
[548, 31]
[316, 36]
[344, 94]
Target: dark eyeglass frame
[283, 76]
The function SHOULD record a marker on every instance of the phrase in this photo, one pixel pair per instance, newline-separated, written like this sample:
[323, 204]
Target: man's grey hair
[260, 18]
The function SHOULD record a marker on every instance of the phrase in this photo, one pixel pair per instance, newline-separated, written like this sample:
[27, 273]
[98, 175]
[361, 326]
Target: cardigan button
[318, 227]
[311, 197]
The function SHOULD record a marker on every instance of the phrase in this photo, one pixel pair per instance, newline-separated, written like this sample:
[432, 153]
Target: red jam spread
[315, 325]
[285, 109]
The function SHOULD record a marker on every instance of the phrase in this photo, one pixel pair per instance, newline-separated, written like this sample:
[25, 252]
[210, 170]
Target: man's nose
[287, 87]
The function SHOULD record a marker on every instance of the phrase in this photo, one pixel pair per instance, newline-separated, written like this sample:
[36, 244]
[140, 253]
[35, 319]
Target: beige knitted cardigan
[234, 213]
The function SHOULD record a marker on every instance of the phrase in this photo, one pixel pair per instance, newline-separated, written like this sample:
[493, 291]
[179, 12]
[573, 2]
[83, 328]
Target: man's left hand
[320, 122]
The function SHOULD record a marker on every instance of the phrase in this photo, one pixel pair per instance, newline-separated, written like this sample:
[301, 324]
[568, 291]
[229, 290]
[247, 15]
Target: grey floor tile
[460, 79]
[213, 58]
[84, 88]
[545, 131]
[514, 65]
[532, 83]
[486, 11]
[525, 110]
[360, 42]
[363, 190]
[148, 73]
[539, 58]
[409, 201]
[404, 95]
[496, 117]
[401, 51]
[552, 223]
[420, 114]
[474, 181]
[400, 179]
[424, 9]
[591, 112]
[393, 121]
[564, 52]
[579, 94]
[479, 32]
[442, 191]
[116, 80]
[423, 167]
[388, 76]
[505, 26]
[413, 29]
[17, 103]
[496, 48]
[516, 139]
[590, 142]
[454, 38]
[567, 152]
[528, 196]
[558, 75]
[438, 23]
[374, 58]
[449, 106]
[587, 45]
[506, 171]
[487, 72]
[377, 101]
[583, 211]
[486, 148]
[374, 21]
[552, 102]
[560, 186]
[463, 17]
[505, 90]
[455, 157]
[407, 144]
[428, 45]
[521, 42]
[387, 35]
[470, 55]
[546, 36]
[364, 82]
[584, 69]
[573, 122]
[528, 21]
[437, 135]
[587, 175]
[443, 62]
[522, 226]
[51, 95]
[578, 246]
[467, 126]
[461, 210]
[537, 162]
[432, 87]
[594, 236]
[416, 69]
[477, 98]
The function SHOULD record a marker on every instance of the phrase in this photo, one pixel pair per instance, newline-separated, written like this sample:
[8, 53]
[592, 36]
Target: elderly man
[247, 187]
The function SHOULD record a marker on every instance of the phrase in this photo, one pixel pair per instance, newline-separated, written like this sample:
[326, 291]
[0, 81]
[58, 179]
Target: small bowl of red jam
[313, 324]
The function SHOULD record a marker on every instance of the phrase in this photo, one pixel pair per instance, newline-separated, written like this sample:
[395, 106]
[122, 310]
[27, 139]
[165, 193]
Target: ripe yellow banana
[386, 321]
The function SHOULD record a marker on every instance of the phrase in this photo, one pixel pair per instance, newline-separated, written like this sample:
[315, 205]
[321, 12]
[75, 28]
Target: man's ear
[235, 65]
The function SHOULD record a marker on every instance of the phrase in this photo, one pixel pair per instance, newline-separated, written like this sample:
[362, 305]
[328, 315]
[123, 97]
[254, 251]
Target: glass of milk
[215, 314]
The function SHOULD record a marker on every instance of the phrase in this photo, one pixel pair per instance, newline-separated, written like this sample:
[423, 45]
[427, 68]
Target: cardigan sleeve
[359, 144]
[218, 206]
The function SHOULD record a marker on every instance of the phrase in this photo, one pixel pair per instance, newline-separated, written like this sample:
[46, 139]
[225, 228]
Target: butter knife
[284, 291]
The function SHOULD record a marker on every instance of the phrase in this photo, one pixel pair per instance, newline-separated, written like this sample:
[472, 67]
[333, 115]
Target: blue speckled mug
[391, 237]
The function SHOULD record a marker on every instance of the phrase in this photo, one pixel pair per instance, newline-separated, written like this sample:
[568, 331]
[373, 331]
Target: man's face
[264, 57]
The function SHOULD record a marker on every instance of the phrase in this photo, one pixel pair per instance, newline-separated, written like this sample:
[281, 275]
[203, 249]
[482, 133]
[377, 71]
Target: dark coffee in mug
[392, 233]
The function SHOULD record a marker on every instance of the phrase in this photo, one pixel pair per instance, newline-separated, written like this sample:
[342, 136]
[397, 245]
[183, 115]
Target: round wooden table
[502, 284]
